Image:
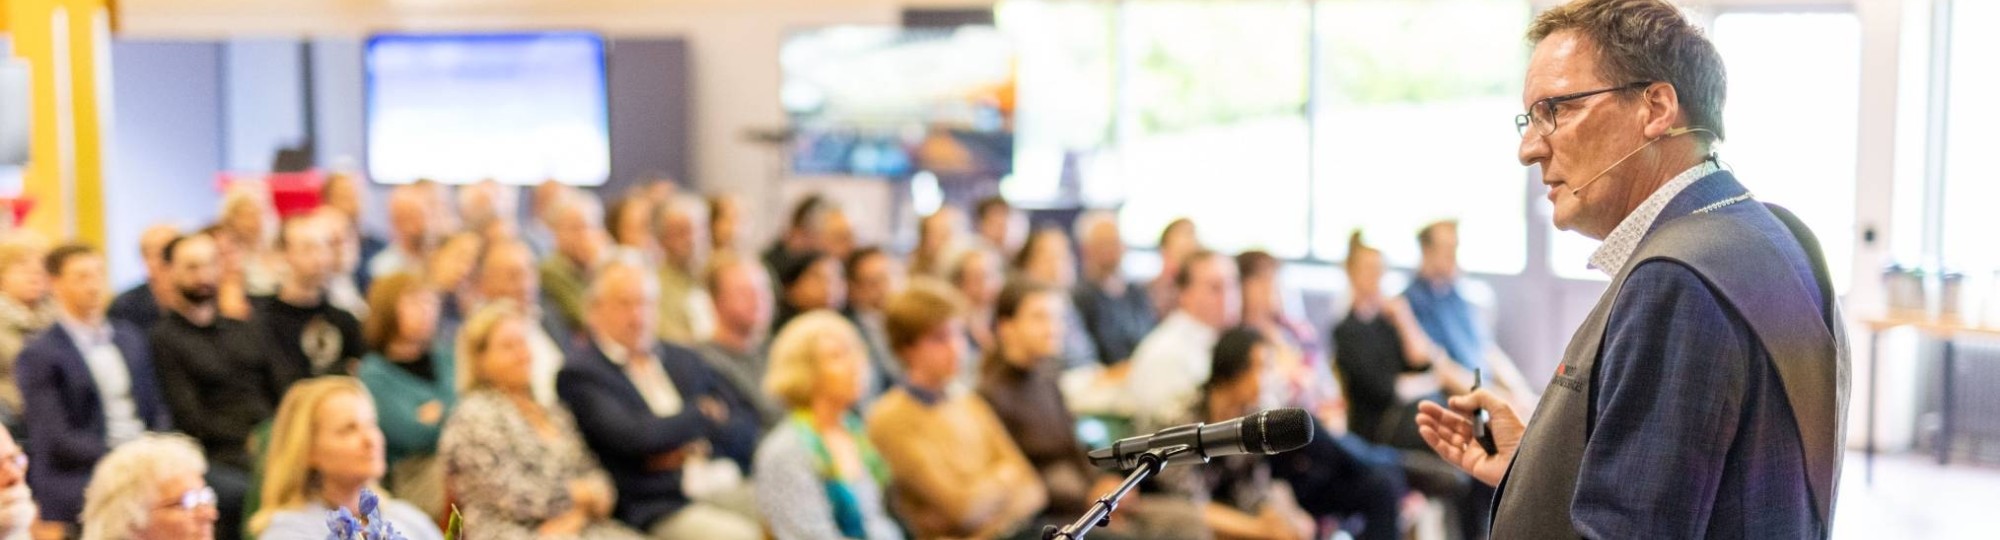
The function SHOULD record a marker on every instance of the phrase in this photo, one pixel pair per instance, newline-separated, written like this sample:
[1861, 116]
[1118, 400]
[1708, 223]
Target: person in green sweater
[411, 375]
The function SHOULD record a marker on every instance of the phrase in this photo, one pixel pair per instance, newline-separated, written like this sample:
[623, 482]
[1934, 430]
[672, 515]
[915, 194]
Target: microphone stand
[1099, 515]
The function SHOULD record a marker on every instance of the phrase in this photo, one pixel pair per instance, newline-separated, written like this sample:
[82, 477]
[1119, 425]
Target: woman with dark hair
[1047, 258]
[412, 377]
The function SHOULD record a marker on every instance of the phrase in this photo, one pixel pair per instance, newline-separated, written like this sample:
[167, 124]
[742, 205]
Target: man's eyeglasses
[193, 499]
[18, 459]
[1542, 114]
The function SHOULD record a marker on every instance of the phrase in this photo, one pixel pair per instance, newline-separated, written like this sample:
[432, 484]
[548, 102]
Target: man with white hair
[659, 418]
[580, 245]
[150, 489]
[684, 311]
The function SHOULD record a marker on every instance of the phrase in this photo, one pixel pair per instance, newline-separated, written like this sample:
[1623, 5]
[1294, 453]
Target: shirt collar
[925, 396]
[84, 334]
[1623, 241]
[614, 352]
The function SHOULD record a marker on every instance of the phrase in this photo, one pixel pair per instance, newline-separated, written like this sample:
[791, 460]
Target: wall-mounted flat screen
[463, 108]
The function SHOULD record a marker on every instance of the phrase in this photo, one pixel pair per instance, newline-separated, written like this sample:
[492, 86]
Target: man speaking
[1705, 394]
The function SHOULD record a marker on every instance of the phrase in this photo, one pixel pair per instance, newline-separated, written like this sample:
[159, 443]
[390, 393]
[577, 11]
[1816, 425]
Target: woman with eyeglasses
[325, 448]
[151, 489]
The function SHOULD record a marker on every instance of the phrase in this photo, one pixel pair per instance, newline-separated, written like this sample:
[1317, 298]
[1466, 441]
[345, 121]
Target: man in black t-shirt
[311, 334]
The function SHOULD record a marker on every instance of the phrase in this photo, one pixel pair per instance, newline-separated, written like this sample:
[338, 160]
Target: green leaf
[452, 530]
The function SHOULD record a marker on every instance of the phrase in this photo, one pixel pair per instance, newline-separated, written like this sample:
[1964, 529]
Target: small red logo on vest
[1561, 369]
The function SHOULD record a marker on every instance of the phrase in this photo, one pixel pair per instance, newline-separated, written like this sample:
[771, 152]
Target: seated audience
[1177, 241]
[409, 372]
[413, 234]
[25, 310]
[309, 331]
[656, 417]
[325, 448]
[810, 282]
[998, 224]
[342, 289]
[342, 194]
[873, 275]
[937, 237]
[246, 218]
[725, 217]
[579, 249]
[144, 304]
[1046, 258]
[801, 238]
[1018, 380]
[685, 317]
[817, 475]
[17, 501]
[741, 293]
[152, 489]
[976, 274]
[1116, 315]
[1173, 359]
[956, 473]
[629, 221]
[1381, 352]
[1438, 297]
[507, 274]
[88, 385]
[449, 272]
[221, 377]
[1240, 496]
[519, 467]
[836, 233]
[1304, 379]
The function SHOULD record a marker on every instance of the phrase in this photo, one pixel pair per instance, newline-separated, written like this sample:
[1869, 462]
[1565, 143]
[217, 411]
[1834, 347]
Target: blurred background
[1278, 125]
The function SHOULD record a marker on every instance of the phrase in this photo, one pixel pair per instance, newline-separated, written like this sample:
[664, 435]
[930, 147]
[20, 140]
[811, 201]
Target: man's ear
[1660, 109]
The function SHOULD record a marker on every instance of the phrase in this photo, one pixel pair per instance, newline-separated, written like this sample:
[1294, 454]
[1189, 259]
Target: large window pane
[1216, 130]
[1791, 119]
[1791, 126]
[1417, 100]
[1972, 167]
[1066, 70]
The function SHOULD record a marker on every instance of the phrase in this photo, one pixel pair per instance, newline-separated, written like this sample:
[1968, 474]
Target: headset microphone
[1671, 132]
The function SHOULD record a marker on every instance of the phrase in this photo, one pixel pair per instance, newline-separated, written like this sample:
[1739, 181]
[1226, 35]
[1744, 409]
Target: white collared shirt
[1170, 364]
[654, 385]
[1618, 246]
[113, 378]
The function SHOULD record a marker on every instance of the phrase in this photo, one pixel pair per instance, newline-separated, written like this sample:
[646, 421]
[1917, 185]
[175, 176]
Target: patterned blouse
[507, 479]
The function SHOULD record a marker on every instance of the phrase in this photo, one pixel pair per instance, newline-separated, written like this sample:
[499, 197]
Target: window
[1791, 126]
[1214, 126]
[1066, 74]
[1415, 104]
[1971, 168]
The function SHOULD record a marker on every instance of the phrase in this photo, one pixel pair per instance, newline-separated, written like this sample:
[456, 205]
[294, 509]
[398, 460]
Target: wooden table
[1947, 331]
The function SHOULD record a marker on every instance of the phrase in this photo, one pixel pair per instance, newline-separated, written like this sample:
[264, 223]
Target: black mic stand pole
[1099, 515]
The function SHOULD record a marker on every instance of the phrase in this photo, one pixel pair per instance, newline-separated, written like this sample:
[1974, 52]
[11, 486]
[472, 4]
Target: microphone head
[1277, 430]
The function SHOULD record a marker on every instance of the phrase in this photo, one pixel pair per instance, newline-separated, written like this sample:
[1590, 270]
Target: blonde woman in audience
[325, 449]
[817, 475]
[519, 468]
[25, 309]
[151, 489]
[937, 233]
[409, 372]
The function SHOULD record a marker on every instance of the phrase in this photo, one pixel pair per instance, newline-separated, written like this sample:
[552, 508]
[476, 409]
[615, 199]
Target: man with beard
[218, 374]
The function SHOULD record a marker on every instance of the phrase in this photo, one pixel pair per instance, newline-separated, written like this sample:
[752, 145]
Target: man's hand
[673, 461]
[713, 409]
[431, 413]
[1449, 432]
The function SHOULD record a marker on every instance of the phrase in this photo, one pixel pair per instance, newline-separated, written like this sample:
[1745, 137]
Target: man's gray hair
[125, 487]
[1647, 40]
[621, 262]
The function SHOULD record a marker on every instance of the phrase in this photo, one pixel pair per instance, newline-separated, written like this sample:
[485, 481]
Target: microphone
[1262, 433]
[1671, 132]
